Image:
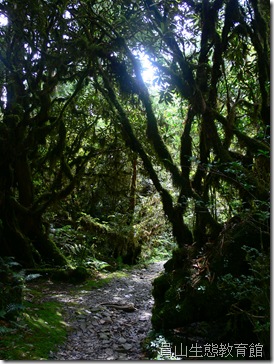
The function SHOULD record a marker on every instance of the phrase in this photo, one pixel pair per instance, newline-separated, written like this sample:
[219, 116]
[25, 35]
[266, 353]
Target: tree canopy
[78, 120]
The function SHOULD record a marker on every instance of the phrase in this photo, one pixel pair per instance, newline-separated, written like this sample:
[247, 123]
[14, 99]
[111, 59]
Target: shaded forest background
[98, 165]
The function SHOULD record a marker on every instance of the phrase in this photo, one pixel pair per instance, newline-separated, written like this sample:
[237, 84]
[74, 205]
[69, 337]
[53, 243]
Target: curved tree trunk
[181, 232]
[22, 233]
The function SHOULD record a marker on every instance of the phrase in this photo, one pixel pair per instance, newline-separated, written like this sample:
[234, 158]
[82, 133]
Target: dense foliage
[88, 147]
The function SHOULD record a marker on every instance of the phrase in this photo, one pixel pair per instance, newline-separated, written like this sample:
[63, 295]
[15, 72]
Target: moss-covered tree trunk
[23, 235]
[221, 71]
[32, 132]
[174, 213]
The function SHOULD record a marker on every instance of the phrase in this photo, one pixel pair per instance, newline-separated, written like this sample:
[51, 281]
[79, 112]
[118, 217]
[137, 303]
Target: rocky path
[109, 332]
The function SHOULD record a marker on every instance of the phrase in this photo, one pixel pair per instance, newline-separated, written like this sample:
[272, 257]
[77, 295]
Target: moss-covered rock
[160, 285]
[189, 292]
[69, 275]
[178, 303]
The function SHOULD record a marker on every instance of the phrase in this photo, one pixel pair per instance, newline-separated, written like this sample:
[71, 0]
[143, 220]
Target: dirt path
[103, 332]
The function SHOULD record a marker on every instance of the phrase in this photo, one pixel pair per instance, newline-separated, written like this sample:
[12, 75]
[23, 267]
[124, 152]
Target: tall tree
[42, 75]
[212, 56]
[215, 57]
[206, 53]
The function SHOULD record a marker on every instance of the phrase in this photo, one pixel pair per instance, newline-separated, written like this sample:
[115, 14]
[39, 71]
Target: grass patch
[102, 280]
[39, 330]
[40, 327]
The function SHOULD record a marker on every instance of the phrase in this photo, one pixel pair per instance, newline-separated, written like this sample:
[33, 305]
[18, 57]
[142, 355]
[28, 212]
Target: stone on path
[106, 333]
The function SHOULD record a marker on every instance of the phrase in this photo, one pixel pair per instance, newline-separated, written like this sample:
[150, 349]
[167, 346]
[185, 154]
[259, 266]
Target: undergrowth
[40, 327]
[38, 330]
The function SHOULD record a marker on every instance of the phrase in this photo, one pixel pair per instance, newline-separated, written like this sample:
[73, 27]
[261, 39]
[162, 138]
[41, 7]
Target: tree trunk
[181, 232]
[133, 186]
[22, 234]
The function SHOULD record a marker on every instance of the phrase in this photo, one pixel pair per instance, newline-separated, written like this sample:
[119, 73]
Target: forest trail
[107, 332]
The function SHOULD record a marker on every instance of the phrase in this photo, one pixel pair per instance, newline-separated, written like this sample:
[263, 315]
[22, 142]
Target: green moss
[160, 285]
[70, 275]
[102, 281]
[41, 329]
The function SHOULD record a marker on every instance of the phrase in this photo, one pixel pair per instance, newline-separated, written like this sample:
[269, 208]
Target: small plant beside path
[50, 310]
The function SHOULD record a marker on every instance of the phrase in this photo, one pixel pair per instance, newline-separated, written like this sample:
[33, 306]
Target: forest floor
[114, 330]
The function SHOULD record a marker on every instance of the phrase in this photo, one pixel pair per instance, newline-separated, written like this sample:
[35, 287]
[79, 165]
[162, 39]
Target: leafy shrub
[11, 286]
[250, 294]
[74, 244]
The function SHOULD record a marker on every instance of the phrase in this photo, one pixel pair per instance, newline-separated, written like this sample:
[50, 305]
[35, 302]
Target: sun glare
[3, 20]
[148, 71]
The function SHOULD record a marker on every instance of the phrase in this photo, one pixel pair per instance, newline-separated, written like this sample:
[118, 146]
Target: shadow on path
[100, 332]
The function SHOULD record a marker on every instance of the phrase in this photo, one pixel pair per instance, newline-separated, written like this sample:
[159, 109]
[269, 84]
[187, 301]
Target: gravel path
[101, 332]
